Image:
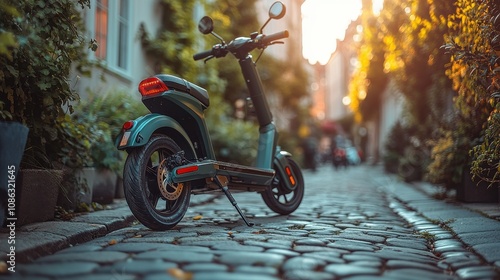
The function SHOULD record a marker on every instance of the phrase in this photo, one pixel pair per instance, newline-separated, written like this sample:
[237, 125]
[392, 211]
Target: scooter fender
[145, 126]
[285, 170]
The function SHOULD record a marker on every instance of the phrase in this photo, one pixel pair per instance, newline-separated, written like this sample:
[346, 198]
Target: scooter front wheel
[282, 200]
[154, 200]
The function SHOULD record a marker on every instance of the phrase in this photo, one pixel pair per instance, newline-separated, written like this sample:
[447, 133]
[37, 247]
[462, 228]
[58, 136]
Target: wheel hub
[164, 183]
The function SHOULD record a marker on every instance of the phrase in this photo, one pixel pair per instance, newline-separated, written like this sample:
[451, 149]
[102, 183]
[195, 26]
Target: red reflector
[128, 125]
[187, 169]
[151, 86]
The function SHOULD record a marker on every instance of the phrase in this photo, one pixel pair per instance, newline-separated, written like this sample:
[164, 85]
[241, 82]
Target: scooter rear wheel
[154, 201]
[281, 199]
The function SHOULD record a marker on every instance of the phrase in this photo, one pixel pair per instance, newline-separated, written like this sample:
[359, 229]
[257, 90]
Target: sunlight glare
[323, 22]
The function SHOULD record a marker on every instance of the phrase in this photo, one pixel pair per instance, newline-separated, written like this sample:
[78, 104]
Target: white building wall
[105, 79]
[392, 108]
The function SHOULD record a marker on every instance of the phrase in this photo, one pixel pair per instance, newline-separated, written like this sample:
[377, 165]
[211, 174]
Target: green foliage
[403, 44]
[34, 88]
[74, 151]
[104, 115]
[449, 157]
[406, 154]
[233, 140]
[369, 80]
[474, 45]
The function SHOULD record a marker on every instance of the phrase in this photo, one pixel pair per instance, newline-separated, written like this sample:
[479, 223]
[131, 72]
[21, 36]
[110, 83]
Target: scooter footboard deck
[236, 174]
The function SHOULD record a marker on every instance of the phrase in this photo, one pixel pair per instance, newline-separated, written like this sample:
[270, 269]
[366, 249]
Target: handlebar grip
[202, 55]
[273, 37]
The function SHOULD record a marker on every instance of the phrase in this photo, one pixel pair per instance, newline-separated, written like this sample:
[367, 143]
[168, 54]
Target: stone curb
[40, 239]
[478, 230]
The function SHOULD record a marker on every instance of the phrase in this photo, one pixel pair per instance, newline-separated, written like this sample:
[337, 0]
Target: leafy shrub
[44, 44]
[104, 116]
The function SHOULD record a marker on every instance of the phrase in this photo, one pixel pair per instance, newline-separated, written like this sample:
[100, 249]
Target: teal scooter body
[185, 104]
[170, 153]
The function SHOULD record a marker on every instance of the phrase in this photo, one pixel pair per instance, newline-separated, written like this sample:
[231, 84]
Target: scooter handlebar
[268, 39]
[202, 55]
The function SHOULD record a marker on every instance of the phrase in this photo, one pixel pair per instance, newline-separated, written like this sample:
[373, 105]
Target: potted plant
[107, 112]
[76, 161]
[34, 90]
[12, 143]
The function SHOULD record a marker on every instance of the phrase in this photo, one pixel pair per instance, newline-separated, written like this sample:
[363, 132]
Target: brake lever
[207, 59]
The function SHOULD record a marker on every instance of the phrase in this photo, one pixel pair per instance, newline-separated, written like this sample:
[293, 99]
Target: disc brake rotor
[164, 183]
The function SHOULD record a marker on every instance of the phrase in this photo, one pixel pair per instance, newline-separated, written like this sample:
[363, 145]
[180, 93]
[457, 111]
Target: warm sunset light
[325, 21]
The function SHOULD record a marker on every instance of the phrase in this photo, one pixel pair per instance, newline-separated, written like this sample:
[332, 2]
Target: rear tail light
[187, 169]
[152, 86]
[128, 125]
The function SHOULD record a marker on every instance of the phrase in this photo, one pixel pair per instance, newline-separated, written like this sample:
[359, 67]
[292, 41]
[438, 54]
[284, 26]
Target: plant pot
[77, 188]
[476, 191]
[12, 141]
[104, 186]
[39, 189]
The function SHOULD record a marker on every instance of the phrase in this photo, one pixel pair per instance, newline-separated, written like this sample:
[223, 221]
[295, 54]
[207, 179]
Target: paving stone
[310, 241]
[307, 249]
[407, 243]
[95, 256]
[478, 273]
[204, 267]
[303, 263]
[352, 245]
[136, 247]
[356, 257]
[252, 258]
[344, 270]
[102, 276]
[236, 247]
[329, 257]
[370, 263]
[303, 275]
[256, 269]
[205, 242]
[477, 223]
[81, 248]
[66, 269]
[177, 256]
[160, 276]
[142, 267]
[266, 245]
[396, 264]
[490, 252]
[284, 252]
[417, 274]
[231, 276]
[34, 245]
[361, 237]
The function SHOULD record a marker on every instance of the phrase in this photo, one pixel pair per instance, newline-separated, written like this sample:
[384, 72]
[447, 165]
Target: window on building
[123, 27]
[111, 19]
[101, 28]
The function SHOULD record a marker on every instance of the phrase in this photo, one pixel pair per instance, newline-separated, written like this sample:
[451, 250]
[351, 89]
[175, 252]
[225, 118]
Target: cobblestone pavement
[354, 223]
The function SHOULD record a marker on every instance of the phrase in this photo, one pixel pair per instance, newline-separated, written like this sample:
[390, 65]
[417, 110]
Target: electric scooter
[170, 155]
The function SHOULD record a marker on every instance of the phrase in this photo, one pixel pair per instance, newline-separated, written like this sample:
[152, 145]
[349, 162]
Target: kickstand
[225, 190]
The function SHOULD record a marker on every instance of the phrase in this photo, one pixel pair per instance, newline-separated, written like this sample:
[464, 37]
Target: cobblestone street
[354, 223]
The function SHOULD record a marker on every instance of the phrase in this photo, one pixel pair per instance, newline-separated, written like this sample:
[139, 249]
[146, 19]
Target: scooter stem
[268, 137]
[256, 91]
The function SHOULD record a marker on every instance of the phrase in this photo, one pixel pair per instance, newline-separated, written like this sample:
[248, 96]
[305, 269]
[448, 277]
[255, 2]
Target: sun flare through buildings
[325, 21]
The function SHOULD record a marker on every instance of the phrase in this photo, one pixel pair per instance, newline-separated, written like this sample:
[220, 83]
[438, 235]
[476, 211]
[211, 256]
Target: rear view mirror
[277, 10]
[206, 25]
